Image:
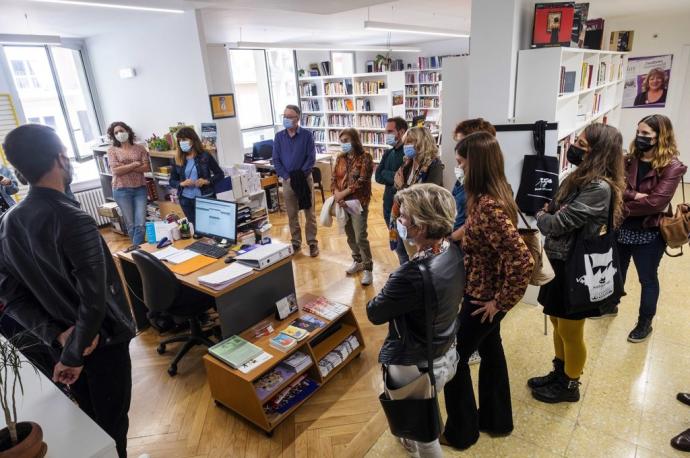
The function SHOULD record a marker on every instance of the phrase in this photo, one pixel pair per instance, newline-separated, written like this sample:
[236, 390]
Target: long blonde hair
[424, 144]
[665, 149]
[485, 172]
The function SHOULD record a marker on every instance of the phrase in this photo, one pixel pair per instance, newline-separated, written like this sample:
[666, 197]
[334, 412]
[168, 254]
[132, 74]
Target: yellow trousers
[569, 344]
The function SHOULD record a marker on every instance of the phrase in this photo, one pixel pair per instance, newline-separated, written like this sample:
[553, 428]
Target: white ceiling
[306, 21]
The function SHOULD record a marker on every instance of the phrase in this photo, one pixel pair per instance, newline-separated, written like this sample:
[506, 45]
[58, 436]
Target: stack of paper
[235, 351]
[174, 256]
[225, 276]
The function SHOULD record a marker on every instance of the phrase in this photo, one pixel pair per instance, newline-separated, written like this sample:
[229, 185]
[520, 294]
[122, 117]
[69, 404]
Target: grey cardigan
[588, 208]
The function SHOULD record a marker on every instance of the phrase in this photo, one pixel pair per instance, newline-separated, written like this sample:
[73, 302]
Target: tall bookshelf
[423, 96]
[363, 101]
[597, 79]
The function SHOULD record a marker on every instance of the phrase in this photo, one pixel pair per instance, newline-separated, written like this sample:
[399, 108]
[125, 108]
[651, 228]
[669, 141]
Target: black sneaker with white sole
[642, 330]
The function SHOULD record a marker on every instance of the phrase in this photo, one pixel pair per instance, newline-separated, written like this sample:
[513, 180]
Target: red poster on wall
[553, 23]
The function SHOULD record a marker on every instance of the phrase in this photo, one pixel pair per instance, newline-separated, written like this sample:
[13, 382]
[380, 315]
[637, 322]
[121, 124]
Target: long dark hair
[604, 162]
[354, 140]
[111, 133]
[665, 149]
[484, 174]
[190, 134]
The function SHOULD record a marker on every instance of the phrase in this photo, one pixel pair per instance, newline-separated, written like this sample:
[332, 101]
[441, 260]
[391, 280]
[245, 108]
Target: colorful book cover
[283, 342]
[553, 24]
[268, 383]
[295, 332]
[308, 323]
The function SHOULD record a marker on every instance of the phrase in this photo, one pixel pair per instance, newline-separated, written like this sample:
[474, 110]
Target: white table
[66, 429]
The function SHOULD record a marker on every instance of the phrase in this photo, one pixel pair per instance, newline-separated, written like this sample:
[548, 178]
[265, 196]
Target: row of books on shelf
[376, 121]
[376, 153]
[313, 121]
[411, 103]
[310, 105]
[308, 90]
[340, 105]
[295, 393]
[338, 355]
[586, 76]
[567, 83]
[339, 120]
[363, 104]
[338, 88]
[429, 77]
[103, 163]
[428, 89]
[370, 87]
[319, 135]
[429, 103]
[373, 138]
[411, 91]
[432, 62]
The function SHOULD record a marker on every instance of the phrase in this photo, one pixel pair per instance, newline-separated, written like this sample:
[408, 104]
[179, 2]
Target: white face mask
[459, 174]
[122, 137]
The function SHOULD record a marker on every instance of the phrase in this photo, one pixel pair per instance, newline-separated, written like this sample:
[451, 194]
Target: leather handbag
[675, 228]
[412, 411]
[543, 272]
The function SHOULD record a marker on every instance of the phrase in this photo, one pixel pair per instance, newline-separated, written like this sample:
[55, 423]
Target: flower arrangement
[157, 143]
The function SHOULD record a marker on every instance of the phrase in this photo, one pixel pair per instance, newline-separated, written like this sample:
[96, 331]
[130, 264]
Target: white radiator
[90, 201]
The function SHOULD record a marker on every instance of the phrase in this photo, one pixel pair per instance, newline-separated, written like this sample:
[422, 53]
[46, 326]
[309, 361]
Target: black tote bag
[593, 271]
[417, 419]
[539, 179]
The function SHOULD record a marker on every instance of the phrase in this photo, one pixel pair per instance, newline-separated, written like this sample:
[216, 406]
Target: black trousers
[104, 391]
[495, 412]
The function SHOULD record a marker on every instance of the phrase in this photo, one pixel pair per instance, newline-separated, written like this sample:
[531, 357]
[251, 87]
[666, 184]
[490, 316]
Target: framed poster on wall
[553, 24]
[222, 106]
[646, 82]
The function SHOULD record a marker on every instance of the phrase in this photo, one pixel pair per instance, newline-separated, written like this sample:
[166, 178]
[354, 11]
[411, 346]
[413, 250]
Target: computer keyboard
[213, 251]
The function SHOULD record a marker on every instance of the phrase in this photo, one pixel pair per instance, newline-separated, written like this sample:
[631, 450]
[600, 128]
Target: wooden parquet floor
[175, 417]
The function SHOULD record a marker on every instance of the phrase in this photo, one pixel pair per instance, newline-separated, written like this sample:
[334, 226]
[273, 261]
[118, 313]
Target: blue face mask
[185, 146]
[287, 123]
[409, 151]
[402, 229]
[346, 147]
[390, 140]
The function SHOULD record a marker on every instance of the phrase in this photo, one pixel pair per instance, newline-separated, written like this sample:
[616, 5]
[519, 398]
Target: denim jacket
[207, 168]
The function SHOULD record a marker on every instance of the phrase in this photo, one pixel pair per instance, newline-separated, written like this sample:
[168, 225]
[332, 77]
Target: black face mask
[575, 155]
[643, 144]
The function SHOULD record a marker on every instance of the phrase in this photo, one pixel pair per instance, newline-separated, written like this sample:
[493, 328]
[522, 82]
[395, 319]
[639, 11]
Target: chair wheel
[161, 349]
[172, 370]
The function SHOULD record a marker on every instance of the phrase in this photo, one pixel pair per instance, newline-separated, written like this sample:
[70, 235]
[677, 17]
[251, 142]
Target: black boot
[558, 369]
[564, 389]
[642, 330]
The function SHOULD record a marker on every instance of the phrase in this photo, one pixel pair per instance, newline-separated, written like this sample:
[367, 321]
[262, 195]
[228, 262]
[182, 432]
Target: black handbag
[539, 180]
[417, 419]
[593, 275]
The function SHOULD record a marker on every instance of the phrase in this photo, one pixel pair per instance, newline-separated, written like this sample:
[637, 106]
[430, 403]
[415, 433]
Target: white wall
[656, 35]
[170, 84]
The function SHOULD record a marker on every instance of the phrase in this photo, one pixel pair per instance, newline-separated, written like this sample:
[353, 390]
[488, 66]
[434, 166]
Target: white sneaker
[474, 358]
[354, 268]
[410, 447]
[367, 278]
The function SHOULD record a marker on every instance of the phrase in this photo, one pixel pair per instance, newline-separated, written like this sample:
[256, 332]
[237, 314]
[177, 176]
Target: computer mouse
[229, 259]
[197, 236]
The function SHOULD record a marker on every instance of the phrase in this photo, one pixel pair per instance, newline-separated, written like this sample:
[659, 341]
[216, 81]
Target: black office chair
[262, 150]
[164, 294]
[316, 175]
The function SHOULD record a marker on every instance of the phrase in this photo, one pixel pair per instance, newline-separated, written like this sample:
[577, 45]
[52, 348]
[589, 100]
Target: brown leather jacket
[660, 186]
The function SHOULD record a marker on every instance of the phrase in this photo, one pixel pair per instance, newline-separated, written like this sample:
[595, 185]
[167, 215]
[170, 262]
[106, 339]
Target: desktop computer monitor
[216, 218]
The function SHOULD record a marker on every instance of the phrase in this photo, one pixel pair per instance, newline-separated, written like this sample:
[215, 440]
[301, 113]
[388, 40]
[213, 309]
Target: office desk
[66, 429]
[240, 305]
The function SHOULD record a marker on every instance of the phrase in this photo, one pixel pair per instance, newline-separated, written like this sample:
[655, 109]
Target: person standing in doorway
[128, 163]
[385, 172]
[294, 157]
[58, 280]
[8, 186]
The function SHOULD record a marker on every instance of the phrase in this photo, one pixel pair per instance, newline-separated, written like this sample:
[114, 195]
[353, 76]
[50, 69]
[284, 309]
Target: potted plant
[18, 439]
[157, 143]
[383, 63]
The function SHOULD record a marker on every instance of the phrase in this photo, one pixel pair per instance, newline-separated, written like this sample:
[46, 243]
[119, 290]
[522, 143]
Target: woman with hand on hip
[128, 163]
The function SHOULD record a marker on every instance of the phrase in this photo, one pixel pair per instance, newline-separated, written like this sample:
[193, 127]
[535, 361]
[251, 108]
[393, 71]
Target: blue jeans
[132, 203]
[646, 258]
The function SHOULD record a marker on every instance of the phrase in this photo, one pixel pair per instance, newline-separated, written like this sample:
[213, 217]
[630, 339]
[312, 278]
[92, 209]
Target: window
[281, 65]
[53, 90]
[250, 76]
[343, 63]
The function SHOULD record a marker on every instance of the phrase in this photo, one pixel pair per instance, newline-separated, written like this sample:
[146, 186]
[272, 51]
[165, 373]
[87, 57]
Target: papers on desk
[254, 363]
[174, 256]
[225, 276]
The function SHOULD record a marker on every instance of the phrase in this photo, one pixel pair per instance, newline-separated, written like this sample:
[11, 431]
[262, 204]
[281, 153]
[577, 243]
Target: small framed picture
[222, 106]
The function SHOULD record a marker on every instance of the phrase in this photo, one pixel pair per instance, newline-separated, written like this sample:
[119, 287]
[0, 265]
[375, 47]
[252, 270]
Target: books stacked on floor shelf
[291, 396]
[325, 308]
[298, 361]
[338, 355]
[235, 351]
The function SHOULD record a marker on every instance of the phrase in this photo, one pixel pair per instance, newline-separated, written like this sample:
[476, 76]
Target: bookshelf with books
[571, 86]
[267, 389]
[423, 93]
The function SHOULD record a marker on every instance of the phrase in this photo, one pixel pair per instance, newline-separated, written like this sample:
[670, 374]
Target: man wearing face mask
[58, 280]
[294, 157]
[390, 162]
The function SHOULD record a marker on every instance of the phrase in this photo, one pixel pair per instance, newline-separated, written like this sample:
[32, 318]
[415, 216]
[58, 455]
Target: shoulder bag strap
[524, 220]
[428, 288]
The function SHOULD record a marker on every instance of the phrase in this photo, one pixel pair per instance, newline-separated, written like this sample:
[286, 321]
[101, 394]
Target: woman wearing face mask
[498, 266]
[128, 163]
[653, 172]
[194, 171]
[351, 180]
[582, 203]
[421, 164]
[653, 89]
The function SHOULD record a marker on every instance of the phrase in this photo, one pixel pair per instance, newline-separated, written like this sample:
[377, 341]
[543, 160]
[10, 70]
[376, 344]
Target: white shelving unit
[599, 78]
[423, 96]
[363, 101]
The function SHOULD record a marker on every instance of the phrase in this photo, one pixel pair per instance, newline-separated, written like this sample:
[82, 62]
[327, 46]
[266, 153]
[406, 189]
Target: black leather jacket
[56, 271]
[206, 167]
[401, 304]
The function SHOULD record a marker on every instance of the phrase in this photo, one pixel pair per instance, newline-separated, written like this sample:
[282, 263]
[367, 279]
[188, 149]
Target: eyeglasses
[291, 118]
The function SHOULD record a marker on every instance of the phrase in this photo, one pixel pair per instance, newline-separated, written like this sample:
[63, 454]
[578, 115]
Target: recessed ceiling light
[111, 5]
[391, 27]
[319, 47]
